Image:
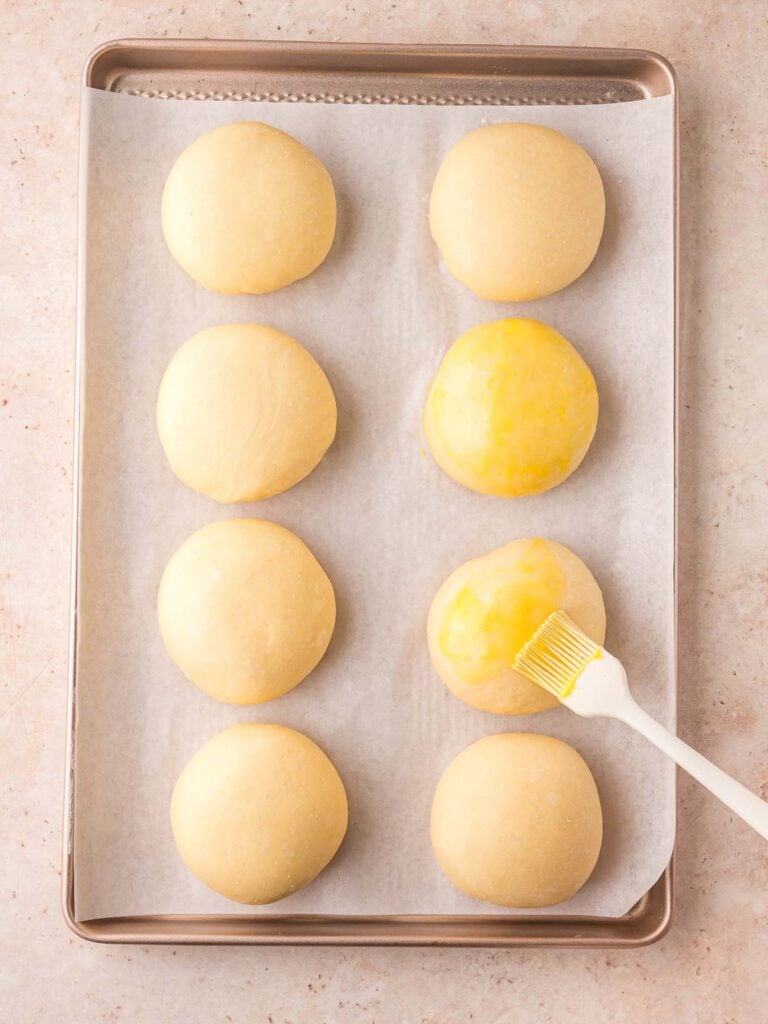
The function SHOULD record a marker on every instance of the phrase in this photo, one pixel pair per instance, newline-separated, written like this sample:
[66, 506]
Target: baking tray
[353, 73]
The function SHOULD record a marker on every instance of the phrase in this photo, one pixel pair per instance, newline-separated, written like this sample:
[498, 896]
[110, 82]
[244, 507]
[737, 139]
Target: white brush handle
[740, 799]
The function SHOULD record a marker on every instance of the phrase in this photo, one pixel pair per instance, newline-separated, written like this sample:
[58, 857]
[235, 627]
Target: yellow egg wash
[487, 623]
[512, 410]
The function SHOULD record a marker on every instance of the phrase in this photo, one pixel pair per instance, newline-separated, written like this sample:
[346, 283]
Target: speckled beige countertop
[710, 969]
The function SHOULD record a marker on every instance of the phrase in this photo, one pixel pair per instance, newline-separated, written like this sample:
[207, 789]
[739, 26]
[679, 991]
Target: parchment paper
[384, 521]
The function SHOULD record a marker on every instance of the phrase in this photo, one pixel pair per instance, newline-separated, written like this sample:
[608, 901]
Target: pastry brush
[582, 675]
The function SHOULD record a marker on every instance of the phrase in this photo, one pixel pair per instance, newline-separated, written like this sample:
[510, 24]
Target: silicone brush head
[556, 655]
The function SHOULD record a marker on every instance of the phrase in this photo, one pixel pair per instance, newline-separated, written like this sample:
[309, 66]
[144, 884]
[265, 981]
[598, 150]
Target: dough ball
[512, 410]
[244, 412]
[517, 211]
[258, 812]
[490, 607]
[245, 610]
[247, 208]
[516, 820]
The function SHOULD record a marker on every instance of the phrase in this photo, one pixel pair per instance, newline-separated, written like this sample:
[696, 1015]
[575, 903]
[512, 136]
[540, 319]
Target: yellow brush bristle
[556, 655]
